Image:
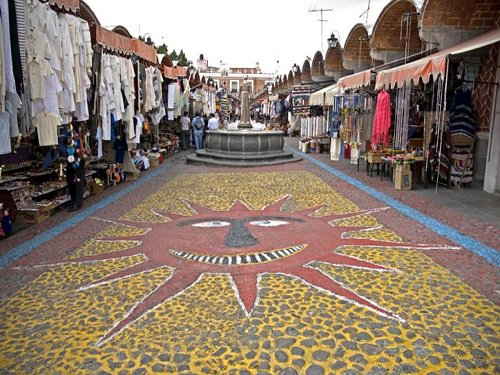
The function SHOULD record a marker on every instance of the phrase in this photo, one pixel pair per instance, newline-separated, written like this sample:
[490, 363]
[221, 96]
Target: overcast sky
[240, 33]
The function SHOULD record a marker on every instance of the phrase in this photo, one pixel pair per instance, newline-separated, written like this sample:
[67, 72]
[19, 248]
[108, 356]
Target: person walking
[198, 127]
[213, 123]
[75, 174]
[185, 131]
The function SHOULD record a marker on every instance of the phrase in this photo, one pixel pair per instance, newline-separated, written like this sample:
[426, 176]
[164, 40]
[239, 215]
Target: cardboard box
[374, 157]
[33, 216]
[402, 180]
[132, 176]
[154, 159]
[402, 167]
[95, 188]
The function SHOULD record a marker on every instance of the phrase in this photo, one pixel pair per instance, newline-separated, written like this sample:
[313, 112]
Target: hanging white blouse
[75, 37]
[53, 36]
[2, 71]
[39, 70]
[87, 45]
[46, 124]
[49, 102]
[10, 83]
[118, 108]
[66, 75]
[37, 45]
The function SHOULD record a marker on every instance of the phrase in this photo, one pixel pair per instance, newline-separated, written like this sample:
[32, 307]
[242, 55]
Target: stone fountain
[244, 144]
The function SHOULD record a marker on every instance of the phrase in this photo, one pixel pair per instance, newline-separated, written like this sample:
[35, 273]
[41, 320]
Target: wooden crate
[33, 216]
[373, 157]
[154, 159]
[402, 180]
[402, 167]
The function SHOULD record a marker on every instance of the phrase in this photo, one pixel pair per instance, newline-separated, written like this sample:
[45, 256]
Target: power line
[321, 19]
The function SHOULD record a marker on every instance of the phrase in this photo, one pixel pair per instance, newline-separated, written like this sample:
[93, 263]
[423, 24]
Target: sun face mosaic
[209, 259]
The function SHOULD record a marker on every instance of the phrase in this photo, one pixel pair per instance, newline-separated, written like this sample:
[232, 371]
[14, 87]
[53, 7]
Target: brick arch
[386, 43]
[333, 60]
[88, 14]
[122, 30]
[195, 80]
[357, 49]
[297, 77]
[284, 82]
[167, 61]
[306, 71]
[317, 68]
[460, 14]
[448, 22]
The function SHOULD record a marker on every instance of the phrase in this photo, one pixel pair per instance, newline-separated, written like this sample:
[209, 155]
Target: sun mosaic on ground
[248, 273]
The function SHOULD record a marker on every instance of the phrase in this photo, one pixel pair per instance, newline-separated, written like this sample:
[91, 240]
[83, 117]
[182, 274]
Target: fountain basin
[243, 148]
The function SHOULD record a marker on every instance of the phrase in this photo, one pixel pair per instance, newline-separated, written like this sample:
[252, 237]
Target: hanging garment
[440, 159]
[171, 101]
[46, 124]
[382, 120]
[99, 137]
[5, 147]
[462, 118]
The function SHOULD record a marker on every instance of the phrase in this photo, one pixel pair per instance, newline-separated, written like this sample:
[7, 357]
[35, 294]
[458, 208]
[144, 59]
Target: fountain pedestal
[243, 146]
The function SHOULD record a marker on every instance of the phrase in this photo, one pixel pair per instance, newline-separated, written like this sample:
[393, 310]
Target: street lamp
[148, 40]
[192, 70]
[332, 41]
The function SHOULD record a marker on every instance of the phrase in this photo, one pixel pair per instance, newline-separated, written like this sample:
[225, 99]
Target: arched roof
[122, 30]
[306, 71]
[356, 54]
[87, 14]
[399, 17]
[297, 77]
[166, 61]
[317, 68]
[445, 23]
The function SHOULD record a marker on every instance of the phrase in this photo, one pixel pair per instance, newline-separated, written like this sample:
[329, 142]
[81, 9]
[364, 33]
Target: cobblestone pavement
[272, 270]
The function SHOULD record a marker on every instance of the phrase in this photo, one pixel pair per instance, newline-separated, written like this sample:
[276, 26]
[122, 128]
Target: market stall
[424, 90]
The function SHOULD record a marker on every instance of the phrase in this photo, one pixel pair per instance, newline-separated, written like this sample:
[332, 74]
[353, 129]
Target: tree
[162, 49]
[182, 60]
[173, 55]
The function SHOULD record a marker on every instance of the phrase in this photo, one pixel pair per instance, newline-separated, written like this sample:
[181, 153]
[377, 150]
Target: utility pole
[321, 19]
[365, 13]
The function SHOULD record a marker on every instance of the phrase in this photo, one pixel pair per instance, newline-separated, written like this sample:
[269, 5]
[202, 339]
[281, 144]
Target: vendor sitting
[141, 161]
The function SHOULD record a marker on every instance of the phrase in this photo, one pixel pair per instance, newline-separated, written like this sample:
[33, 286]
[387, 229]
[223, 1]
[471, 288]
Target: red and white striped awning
[432, 65]
[357, 80]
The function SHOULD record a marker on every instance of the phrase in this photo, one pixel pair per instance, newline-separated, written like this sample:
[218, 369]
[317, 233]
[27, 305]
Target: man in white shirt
[185, 131]
[213, 123]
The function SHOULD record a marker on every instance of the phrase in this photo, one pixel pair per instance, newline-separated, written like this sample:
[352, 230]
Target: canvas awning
[173, 73]
[432, 65]
[357, 80]
[111, 40]
[318, 97]
[144, 50]
[333, 91]
[72, 5]
[122, 44]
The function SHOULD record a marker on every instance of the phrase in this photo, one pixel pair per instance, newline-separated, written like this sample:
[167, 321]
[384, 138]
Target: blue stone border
[28, 246]
[490, 254]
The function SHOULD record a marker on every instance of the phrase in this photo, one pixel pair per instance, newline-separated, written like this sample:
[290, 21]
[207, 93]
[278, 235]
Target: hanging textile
[440, 153]
[382, 121]
[462, 117]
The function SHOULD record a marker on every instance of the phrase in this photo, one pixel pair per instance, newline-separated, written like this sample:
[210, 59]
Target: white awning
[318, 97]
[333, 91]
[432, 65]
